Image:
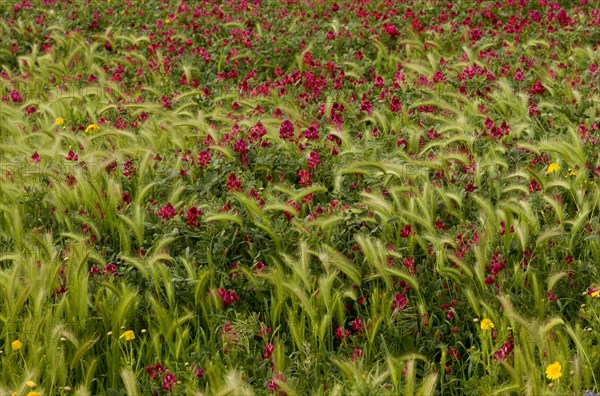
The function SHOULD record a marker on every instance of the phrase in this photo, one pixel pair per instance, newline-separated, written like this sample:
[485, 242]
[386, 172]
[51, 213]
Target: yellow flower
[552, 168]
[128, 335]
[572, 172]
[30, 384]
[553, 371]
[60, 121]
[167, 21]
[487, 324]
[595, 293]
[16, 345]
[92, 128]
[250, 8]
[33, 394]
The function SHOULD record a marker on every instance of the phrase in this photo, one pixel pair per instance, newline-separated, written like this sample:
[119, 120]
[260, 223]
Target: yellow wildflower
[128, 335]
[167, 21]
[553, 371]
[595, 293]
[30, 384]
[487, 324]
[552, 168]
[16, 345]
[250, 8]
[92, 128]
[572, 172]
[33, 394]
[60, 121]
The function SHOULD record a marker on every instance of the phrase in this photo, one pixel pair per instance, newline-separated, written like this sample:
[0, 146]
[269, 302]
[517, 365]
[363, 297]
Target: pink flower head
[155, 371]
[340, 333]
[169, 381]
[304, 177]
[356, 354]
[204, 158]
[15, 96]
[273, 383]
[313, 160]
[227, 297]
[286, 131]
[269, 348]
[233, 183]
[407, 231]
[192, 216]
[71, 156]
[35, 157]
[166, 212]
[399, 302]
[110, 269]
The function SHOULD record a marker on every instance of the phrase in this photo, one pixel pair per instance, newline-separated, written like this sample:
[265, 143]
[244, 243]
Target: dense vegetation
[299, 197]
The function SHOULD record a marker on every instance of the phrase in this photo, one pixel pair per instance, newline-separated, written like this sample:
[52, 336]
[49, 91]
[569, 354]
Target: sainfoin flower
[169, 381]
[233, 183]
[502, 353]
[269, 348]
[357, 353]
[400, 301]
[273, 383]
[553, 371]
[166, 212]
[487, 324]
[228, 297]
[192, 216]
[287, 130]
[154, 371]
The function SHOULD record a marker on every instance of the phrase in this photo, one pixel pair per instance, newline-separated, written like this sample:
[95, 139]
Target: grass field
[294, 197]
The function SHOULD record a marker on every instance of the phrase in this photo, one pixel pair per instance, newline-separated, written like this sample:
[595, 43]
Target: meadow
[294, 197]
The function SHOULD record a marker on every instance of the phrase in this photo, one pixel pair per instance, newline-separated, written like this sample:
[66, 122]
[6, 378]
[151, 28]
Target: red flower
[192, 216]
[169, 381]
[233, 183]
[356, 354]
[167, 212]
[304, 176]
[35, 157]
[204, 158]
[110, 269]
[15, 96]
[269, 348]
[227, 297]
[357, 325]
[273, 383]
[313, 160]
[286, 131]
[400, 302]
[241, 147]
[534, 186]
[407, 231]
[537, 88]
[390, 29]
[340, 333]
[71, 156]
